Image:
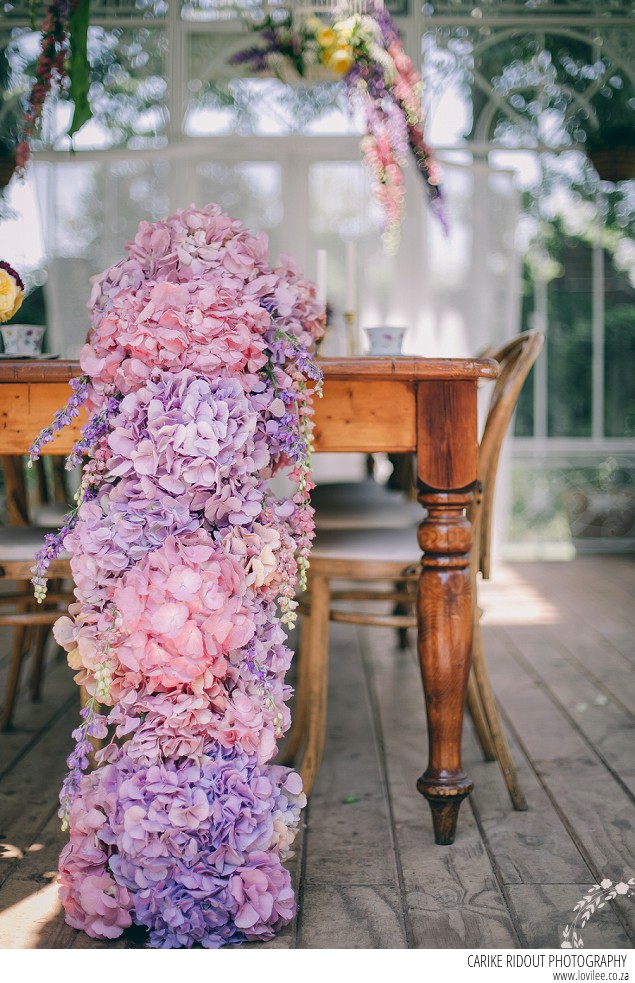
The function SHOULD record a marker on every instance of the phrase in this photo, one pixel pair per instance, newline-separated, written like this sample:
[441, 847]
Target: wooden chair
[18, 546]
[380, 555]
[30, 516]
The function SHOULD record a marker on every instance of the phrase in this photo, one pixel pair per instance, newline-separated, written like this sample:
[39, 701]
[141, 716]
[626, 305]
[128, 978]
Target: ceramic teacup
[22, 339]
[385, 341]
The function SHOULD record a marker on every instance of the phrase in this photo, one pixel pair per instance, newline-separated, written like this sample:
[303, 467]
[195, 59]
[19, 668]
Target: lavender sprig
[96, 427]
[93, 725]
[53, 546]
[54, 542]
[263, 687]
[62, 418]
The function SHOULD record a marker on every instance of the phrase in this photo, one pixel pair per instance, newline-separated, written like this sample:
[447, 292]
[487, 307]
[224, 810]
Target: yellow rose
[10, 296]
[326, 38]
[341, 61]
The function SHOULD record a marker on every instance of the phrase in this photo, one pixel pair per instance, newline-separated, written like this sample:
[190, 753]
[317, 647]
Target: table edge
[405, 367]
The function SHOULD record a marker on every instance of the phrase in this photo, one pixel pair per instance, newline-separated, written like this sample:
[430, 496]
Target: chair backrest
[515, 359]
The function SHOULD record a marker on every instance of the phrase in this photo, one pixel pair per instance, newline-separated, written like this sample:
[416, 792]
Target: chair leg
[479, 719]
[41, 638]
[488, 702]
[316, 654]
[399, 609]
[297, 733]
[13, 679]
[19, 651]
[37, 661]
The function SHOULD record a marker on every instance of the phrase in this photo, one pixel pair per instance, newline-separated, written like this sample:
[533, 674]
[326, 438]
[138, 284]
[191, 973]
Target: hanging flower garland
[197, 377]
[62, 62]
[366, 52]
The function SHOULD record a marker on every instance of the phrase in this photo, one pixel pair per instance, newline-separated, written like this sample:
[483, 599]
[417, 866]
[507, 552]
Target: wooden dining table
[371, 404]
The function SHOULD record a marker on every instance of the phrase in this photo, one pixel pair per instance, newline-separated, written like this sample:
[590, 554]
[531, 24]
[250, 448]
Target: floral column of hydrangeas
[185, 566]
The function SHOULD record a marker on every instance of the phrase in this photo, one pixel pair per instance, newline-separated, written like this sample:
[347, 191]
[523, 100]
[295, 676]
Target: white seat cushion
[368, 545]
[363, 505]
[50, 516]
[21, 543]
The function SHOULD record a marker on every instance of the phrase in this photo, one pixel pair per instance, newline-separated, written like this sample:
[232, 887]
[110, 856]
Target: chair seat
[50, 516]
[392, 549]
[363, 505]
[21, 543]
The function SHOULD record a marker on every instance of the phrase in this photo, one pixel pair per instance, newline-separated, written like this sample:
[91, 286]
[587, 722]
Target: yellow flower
[326, 38]
[11, 296]
[341, 61]
[313, 24]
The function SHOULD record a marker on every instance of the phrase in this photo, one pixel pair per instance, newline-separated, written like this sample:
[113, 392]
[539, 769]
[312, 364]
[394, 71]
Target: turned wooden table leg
[445, 642]
[447, 448]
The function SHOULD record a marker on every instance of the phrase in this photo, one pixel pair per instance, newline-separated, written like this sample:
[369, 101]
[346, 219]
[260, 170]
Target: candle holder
[351, 334]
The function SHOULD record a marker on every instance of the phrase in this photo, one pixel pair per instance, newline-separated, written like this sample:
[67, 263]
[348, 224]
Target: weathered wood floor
[559, 639]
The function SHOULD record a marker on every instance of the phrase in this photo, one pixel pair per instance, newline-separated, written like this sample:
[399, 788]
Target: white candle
[320, 277]
[351, 277]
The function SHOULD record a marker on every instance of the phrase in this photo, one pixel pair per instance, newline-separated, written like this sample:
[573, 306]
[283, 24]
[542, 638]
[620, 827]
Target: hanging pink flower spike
[365, 51]
[199, 381]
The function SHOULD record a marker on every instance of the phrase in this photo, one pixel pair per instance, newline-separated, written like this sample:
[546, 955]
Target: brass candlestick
[351, 334]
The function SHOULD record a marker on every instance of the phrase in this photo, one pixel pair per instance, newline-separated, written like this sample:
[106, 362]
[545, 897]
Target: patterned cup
[385, 341]
[22, 339]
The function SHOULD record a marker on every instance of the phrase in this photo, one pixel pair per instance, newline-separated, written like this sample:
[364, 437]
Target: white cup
[22, 339]
[385, 341]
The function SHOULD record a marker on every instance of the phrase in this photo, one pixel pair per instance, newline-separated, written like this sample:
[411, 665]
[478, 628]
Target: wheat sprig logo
[597, 897]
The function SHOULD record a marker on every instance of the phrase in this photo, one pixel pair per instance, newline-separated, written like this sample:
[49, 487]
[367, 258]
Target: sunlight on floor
[21, 923]
[507, 599]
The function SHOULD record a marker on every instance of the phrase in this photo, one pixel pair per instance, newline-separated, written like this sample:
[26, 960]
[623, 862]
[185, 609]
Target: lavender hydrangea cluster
[198, 379]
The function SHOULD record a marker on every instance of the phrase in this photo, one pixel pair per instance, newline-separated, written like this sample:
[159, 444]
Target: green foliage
[78, 68]
[555, 88]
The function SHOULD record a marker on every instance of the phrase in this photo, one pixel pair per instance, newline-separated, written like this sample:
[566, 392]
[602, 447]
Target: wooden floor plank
[545, 910]
[532, 847]
[356, 917]
[349, 838]
[27, 804]
[598, 813]
[588, 702]
[452, 895]
[602, 662]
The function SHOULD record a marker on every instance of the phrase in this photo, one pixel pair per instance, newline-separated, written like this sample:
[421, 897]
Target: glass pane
[20, 10]
[619, 355]
[526, 84]
[343, 212]
[97, 207]
[128, 99]
[219, 102]
[251, 192]
[210, 10]
[569, 343]
[524, 416]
